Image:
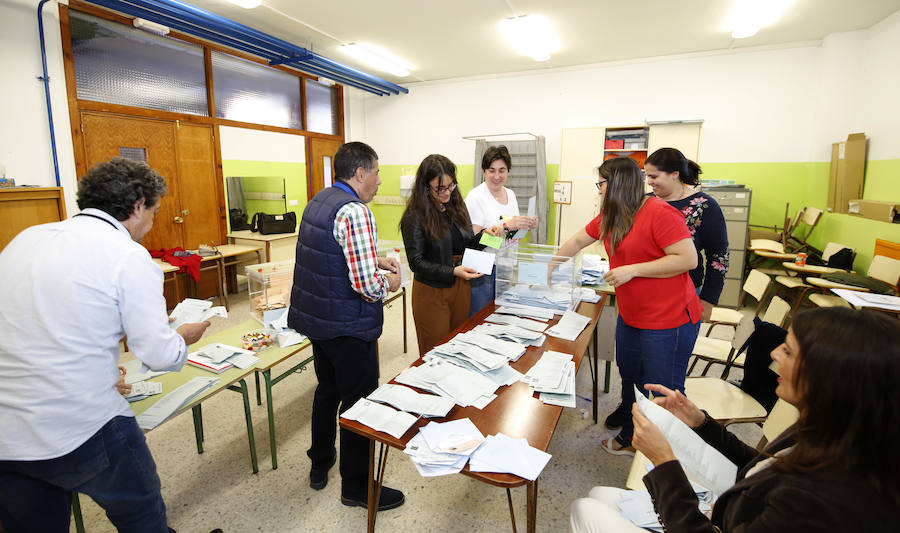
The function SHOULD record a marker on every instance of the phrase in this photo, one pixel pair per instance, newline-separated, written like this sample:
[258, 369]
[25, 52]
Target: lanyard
[342, 185]
[98, 218]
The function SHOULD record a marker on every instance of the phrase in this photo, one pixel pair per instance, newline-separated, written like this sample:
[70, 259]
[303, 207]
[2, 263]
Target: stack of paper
[538, 314]
[143, 389]
[443, 448]
[593, 268]
[502, 375]
[466, 387]
[380, 417]
[511, 350]
[409, 400]
[554, 376]
[557, 298]
[191, 310]
[527, 337]
[500, 453]
[637, 507]
[474, 356]
[218, 357]
[511, 320]
[166, 407]
[588, 295]
[569, 326]
[134, 374]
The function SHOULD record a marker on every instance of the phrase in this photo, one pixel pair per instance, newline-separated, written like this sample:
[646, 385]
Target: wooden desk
[768, 254]
[516, 412]
[810, 269]
[227, 257]
[248, 235]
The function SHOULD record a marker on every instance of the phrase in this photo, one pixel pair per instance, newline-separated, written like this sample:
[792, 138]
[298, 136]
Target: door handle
[179, 220]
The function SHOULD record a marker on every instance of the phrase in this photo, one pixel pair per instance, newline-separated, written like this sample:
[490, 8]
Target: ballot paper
[548, 372]
[866, 299]
[243, 360]
[133, 372]
[456, 436]
[173, 401]
[564, 394]
[500, 453]
[532, 273]
[511, 350]
[277, 321]
[593, 268]
[537, 314]
[289, 337]
[521, 336]
[511, 320]
[409, 400]
[430, 463]
[532, 210]
[703, 462]
[218, 352]
[191, 310]
[637, 506]
[569, 326]
[482, 262]
[588, 295]
[380, 417]
[143, 389]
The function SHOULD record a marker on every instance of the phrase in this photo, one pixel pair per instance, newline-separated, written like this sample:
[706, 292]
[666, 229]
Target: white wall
[24, 133]
[258, 145]
[880, 97]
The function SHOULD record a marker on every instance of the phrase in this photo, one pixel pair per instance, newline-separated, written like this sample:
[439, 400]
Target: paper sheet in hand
[191, 310]
[532, 210]
[482, 262]
[491, 241]
[142, 389]
[705, 463]
[133, 372]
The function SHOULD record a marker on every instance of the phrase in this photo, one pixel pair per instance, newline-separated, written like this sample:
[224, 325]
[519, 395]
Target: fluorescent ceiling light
[152, 27]
[531, 35]
[246, 4]
[377, 59]
[749, 16]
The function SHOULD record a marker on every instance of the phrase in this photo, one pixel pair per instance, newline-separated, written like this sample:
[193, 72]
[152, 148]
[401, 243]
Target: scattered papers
[557, 298]
[482, 262]
[143, 389]
[243, 360]
[516, 321]
[133, 372]
[201, 361]
[218, 357]
[380, 417]
[409, 400]
[175, 400]
[706, 464]
[277, 321]
[588, 295]
[867, 299]
[569, 326]
[457, 436]
[430, 463]
[500, 453]
[289, 337]
[191, 310]
[218, 352]
[553, 375]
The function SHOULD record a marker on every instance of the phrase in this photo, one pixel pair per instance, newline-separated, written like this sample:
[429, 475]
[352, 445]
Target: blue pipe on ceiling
[215, 28]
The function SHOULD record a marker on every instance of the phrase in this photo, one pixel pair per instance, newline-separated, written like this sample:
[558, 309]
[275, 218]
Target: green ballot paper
[489, 240]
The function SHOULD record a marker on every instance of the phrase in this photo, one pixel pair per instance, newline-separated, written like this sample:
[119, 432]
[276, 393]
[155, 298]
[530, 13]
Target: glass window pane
[250, 92]
[321, 108]
[118, 64]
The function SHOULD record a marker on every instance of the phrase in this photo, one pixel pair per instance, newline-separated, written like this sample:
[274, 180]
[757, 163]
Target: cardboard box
[876, 210]
[848, 167]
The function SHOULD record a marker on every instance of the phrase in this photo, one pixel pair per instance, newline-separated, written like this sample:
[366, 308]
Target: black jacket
[432, 261]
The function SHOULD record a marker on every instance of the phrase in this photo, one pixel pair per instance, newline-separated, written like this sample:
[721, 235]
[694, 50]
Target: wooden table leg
[512, 513]
[532, 505]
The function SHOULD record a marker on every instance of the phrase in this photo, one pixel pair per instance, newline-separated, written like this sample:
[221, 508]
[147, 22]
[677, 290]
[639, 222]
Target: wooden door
[107, 136]
[197, 187]
[321, 164]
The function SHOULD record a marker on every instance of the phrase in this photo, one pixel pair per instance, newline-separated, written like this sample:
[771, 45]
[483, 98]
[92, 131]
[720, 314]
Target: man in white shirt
[70, 291]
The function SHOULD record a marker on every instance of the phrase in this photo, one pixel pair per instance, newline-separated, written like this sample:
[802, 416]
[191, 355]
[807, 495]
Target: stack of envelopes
[554, 377]
[443, 448]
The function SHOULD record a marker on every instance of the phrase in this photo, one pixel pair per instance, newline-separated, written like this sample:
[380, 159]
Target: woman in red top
[650, 256]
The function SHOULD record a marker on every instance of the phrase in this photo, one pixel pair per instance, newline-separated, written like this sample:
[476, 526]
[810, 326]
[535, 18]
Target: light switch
[292, 203]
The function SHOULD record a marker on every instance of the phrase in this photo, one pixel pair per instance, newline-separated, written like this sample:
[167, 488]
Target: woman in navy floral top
[673, 178]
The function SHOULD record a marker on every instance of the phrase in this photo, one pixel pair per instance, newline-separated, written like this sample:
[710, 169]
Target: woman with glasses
[490, 204]
[436, 231]
[833, 470]
[650, 255]
[674, 178]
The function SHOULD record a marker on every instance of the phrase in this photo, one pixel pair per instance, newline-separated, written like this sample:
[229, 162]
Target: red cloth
[652, 303]
[188, 263]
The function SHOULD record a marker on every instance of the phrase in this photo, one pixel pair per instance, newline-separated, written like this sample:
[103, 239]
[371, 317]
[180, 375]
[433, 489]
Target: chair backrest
[809, 216]
[832, 247]
[742, 332]
[756, 284]
[780, 418]
[777, 311]
[767, 244]
[885, 269]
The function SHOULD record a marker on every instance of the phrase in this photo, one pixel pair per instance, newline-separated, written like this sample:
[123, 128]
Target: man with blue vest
[336, 301]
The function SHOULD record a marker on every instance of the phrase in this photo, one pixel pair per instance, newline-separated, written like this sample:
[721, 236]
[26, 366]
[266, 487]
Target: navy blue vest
[323, 304]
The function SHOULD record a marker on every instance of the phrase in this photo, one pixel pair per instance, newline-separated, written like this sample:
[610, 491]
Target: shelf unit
[634, 140]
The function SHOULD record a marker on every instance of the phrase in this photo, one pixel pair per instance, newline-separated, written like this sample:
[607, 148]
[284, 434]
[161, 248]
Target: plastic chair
[777, 312]
[756, 285]
[797, 238]
[725, 402]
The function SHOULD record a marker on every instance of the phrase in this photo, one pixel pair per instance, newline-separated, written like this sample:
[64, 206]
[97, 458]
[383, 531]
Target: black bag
[858, 280]
[238, 220]
[759, 380]
[268, 224]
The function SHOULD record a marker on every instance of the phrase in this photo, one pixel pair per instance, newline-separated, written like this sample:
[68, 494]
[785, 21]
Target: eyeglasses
[600, 183]
[443, 188]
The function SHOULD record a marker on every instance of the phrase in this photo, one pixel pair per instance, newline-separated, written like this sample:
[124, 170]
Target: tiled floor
[218, 490]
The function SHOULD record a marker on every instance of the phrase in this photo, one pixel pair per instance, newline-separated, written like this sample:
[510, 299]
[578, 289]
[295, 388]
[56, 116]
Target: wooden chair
[756, 285]
[882, 268]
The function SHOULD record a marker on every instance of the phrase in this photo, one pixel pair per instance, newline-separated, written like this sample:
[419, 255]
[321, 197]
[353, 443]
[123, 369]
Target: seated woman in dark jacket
[436, 231]
[836, 469]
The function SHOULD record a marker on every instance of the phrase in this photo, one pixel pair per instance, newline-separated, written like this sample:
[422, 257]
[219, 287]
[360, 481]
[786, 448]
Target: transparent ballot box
[524, 279]
[396, 249]
[269, 287]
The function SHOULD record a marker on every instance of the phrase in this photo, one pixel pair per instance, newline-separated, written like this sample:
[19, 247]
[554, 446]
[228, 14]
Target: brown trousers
[437, 312]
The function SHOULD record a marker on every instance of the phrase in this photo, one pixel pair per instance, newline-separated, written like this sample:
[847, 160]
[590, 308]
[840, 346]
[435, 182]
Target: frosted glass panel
[249, 92]
[121, 65]
[321, 108]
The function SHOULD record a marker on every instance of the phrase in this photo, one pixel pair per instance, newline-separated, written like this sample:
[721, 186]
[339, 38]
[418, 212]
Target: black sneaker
[318, 477]
[390, 498]
[616, 418]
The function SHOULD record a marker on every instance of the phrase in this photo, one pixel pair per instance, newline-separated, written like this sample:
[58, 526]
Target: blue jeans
[652, 356]
[114, 467]
[482, 291]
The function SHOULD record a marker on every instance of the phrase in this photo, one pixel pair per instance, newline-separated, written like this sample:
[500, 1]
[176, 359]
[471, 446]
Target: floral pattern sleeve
[706, 223]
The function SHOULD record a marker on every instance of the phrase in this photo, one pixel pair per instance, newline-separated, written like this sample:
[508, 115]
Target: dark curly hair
[114, 187]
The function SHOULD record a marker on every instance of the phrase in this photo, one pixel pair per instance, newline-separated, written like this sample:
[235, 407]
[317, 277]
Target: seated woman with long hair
[835, 469]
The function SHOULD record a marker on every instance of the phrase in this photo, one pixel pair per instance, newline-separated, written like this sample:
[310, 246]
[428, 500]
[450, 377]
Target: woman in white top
[487, 204]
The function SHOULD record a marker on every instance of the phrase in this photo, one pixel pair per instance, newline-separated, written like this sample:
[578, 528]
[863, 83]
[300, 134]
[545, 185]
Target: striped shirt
[355, 232]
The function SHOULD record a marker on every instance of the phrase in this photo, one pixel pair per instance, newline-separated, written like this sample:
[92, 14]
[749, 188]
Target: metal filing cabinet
[735, 203]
